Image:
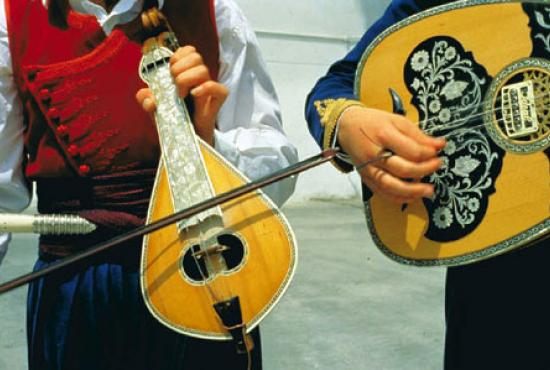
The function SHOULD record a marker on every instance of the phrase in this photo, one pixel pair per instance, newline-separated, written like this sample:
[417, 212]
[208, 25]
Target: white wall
[299, 40]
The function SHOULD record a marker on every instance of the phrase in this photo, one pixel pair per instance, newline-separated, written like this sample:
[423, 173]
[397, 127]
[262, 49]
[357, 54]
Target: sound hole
[194, 266]
[234, 254]
[224, 257]
[521, 107]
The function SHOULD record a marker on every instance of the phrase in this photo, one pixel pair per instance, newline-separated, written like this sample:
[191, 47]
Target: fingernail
[197, 91]
[148, 104]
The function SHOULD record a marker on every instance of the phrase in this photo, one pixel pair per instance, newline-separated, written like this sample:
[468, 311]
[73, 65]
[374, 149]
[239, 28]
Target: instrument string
[156, 49]
[225, 290]
[206, 255]
[544, 98]
[208, 259]
[214, 283]
[212, 291]
[210, 281]
[209, 289]
[498, 99]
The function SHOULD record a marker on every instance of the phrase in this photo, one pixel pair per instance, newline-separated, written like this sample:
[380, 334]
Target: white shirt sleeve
[14, 194]
[250, 133]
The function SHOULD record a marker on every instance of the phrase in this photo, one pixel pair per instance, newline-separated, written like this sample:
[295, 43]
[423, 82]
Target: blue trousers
[498, 312]
[92, 316]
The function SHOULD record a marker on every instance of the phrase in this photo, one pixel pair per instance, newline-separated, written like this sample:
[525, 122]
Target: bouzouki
[217, 274]
[477, 73]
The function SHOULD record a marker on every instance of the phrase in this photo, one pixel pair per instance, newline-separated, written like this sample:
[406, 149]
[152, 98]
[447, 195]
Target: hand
[191, 76]
[365, 133]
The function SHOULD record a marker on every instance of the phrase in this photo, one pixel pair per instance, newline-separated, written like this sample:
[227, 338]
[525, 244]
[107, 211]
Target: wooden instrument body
[260, 280]
[214, 275]
[449, 64]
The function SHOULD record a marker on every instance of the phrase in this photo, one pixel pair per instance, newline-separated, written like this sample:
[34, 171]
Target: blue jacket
[338, 83]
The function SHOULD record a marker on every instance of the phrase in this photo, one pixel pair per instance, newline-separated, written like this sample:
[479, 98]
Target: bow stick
[295, 169]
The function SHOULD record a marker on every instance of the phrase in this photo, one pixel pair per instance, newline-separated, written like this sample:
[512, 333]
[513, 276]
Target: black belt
[115, 203]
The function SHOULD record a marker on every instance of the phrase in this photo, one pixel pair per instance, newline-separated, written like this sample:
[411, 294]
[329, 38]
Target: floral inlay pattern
[542, 18]
[448, 87]
[539, 22]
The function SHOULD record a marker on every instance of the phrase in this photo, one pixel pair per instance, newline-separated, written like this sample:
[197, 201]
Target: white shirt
[249, 132]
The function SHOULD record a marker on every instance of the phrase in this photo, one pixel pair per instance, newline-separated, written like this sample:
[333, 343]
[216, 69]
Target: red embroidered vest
[78, 88]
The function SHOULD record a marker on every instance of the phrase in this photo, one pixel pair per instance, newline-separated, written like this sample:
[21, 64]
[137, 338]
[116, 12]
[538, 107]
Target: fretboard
[183, 161]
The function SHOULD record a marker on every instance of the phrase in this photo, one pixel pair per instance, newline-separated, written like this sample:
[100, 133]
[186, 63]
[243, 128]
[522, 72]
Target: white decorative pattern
[541, 20]
[448, 93]
[459, 193]
[187, 176]
[438, 70]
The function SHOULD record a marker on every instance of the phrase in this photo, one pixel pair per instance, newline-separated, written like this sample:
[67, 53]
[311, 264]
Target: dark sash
[115, 203]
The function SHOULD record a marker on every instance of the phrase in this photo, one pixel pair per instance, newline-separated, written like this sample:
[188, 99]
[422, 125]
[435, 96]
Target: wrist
[348, 119]
[330, 113]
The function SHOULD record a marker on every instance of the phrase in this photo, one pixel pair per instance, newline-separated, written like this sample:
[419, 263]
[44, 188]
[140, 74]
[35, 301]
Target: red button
[53, 113]
[73, 150]
[44, 95]
[84, 169]
[62, 130]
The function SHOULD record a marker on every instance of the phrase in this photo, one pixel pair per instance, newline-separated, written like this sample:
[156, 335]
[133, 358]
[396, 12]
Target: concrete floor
[348, 308]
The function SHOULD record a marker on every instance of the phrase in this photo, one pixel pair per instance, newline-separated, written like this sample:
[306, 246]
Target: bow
[295, 169]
